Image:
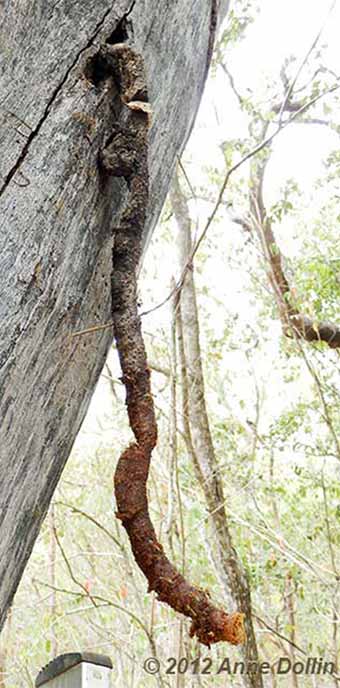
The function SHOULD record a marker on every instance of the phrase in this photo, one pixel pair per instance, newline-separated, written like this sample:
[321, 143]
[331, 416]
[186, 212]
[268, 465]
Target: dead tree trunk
[57, 221]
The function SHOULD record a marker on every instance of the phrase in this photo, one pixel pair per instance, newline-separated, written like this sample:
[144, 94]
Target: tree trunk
[205, 461]
[57, 221]
[52, 561]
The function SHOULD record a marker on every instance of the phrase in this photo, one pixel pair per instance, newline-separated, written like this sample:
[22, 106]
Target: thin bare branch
[257, 149]
[305, 60]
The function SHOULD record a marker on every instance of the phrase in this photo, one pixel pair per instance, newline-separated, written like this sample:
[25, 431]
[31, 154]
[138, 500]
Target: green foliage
[241, 15]
[319, 282]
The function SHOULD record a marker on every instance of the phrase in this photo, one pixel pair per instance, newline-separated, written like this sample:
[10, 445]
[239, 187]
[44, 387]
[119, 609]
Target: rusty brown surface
[125, 155]
[209, 623]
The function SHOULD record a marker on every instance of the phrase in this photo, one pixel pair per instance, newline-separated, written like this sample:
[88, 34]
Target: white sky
[286, 27]
[282, 28]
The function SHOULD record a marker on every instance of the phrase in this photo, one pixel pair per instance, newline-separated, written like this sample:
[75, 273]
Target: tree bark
[57, 221]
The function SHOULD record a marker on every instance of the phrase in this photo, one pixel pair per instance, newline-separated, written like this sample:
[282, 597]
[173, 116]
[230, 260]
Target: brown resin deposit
[209, 624]
[126, 156]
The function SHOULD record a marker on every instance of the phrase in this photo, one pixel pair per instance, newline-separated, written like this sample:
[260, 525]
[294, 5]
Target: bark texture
[56, 222]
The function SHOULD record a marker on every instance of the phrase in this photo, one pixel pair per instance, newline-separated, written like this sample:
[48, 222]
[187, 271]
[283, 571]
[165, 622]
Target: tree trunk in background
[6, 645]
[56, 222]
[290, 605]
[228, 565]
[52, 561]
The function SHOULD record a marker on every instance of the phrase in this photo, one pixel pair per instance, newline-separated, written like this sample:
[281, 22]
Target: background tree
[198, 435]
[263, 121]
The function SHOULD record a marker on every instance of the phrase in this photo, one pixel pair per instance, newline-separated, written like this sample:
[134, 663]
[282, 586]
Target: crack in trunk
[55, 93]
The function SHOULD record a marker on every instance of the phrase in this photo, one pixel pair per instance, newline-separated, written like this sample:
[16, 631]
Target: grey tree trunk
[56, 221]
[199, 440]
